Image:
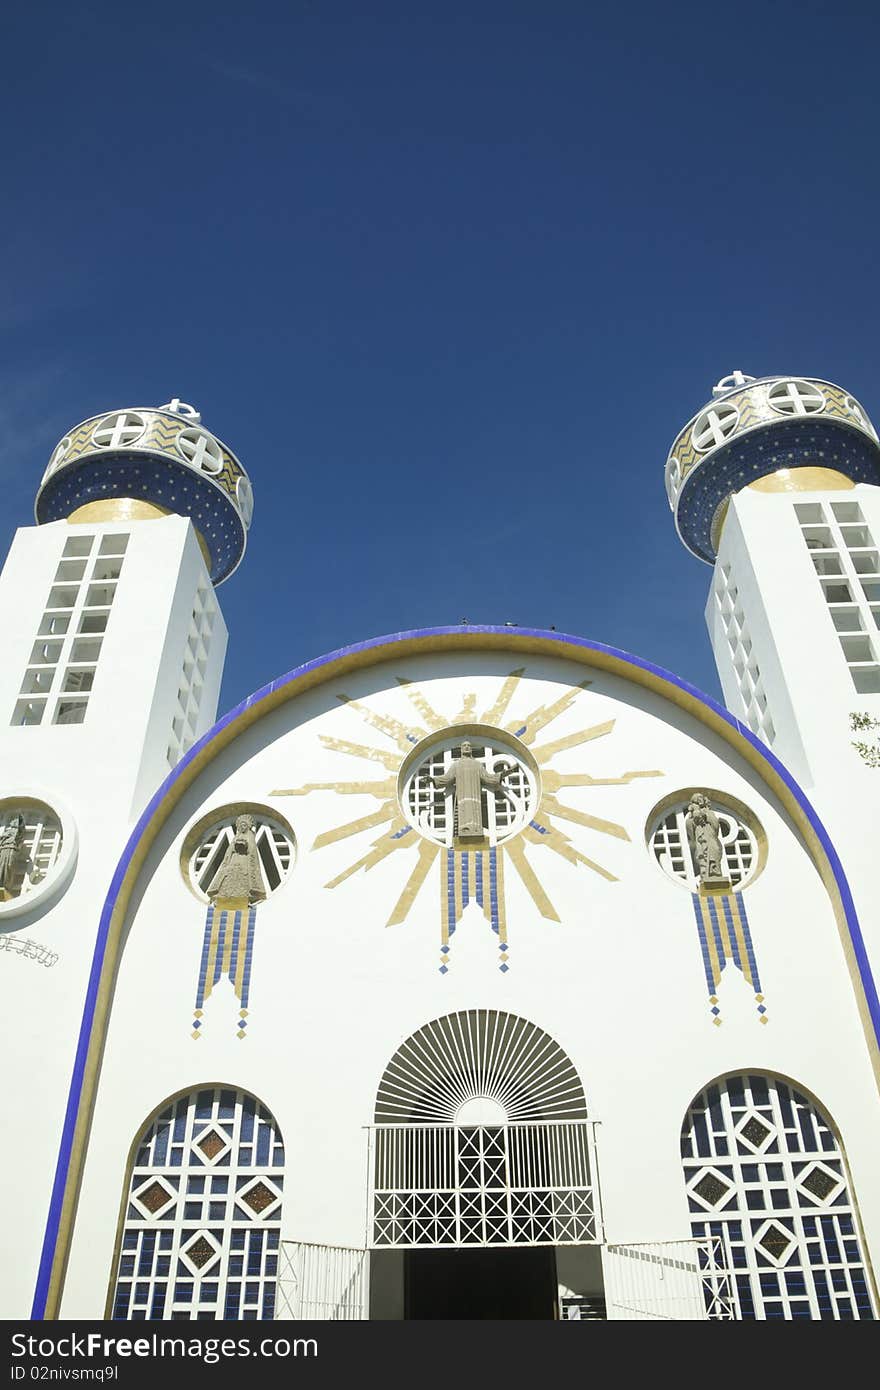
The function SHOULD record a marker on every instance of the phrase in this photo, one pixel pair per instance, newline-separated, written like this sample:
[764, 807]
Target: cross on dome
[179, 407]
[730, 383]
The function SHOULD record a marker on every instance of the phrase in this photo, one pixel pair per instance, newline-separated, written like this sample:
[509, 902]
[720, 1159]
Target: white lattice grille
[437, 1185]
[322, 1283]
[40, 846]
[274, 846]
[203, 1216]
[764, 1171]
[504, 809]
[479, 1054]
[739, 848]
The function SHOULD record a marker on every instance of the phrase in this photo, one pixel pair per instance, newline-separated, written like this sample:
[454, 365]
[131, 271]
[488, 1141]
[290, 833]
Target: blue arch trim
[562, 641]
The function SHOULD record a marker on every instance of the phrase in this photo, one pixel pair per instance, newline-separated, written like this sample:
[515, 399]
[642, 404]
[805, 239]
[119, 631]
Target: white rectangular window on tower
[192, 678]
[847, 563]
[60, 674]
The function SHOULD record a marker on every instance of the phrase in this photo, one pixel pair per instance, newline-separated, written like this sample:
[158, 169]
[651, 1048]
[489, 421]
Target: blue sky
[447, 277]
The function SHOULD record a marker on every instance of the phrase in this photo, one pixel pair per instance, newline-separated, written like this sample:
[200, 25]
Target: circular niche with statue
[37, 852]
[469, 787]
[238, 853]
[706, 840]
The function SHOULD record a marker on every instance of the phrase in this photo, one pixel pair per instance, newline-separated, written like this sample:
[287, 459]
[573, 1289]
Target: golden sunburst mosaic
[419, 808]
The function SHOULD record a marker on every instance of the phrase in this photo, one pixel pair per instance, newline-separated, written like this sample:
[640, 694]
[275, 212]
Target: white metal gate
[322, 1283]
[515, 1184]
[670, 1280]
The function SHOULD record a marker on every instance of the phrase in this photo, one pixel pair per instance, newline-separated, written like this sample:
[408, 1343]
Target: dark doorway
[508, 1283]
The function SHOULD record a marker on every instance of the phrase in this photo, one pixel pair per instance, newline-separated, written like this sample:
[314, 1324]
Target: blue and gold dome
[150, 462]
[793, 432]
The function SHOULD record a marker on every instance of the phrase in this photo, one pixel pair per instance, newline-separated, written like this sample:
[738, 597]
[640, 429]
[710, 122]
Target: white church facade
[472, 972]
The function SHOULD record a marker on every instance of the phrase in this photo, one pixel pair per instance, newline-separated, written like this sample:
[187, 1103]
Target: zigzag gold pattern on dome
[754, 408]
[159, 436]
[399, 834]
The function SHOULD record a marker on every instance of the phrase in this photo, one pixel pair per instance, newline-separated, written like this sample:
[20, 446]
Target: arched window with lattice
[202, 1218]
[765, 1171]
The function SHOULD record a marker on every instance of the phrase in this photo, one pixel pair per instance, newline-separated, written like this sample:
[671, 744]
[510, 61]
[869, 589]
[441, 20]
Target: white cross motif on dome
[200, 450]
[796, 398]
[714, 426]
[118, 431]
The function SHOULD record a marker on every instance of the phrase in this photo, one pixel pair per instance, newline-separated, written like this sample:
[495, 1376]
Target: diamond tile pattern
[711, 1189]
[154, 1197]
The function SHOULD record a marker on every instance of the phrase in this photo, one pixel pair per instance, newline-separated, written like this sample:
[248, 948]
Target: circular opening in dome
[716, 424]
[200, 450]
[119, 431]
[245, 494]
[795, 397]
[469, 787]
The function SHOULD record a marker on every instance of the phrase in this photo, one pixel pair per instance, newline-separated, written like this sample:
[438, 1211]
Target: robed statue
[704, 838]
[240, 876]
[15, 862]
[467, 777]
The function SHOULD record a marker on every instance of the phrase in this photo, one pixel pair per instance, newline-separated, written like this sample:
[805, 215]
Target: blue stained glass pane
[233, 1297]
[216, 1210]
[785, 1104]
[166, 1240]
[269, 1301]
[180, 1121]
[806, 1129]
[750, 1172]
[120, 1307]
[795, 1283]
[846, 1224]
[801, 1311]
[851, 1250]
[219, 1184]
[780, 1198]
[195, 1183]
[810, 1226]
[192, 1210]
[176, 1157]
[248, 1108]
[264, 1138]
[163, 1265]
[744, 1296]
[760, 1093]
[157, 1307]
[255, 1262]
[183, 1292]
[236, 1264]
[226, 1107]
[754, 1199]
[238, 1238]
[204, 1102]
[815, 1253]
[145, 1262]
[701, 1135]
[735, 1090]
[775, 1172]
[130, 1240]
[278, 1156]
[271, 1264]
[845, 1310]
[687, 1148]
[251, 1292]
[774, 1311]
[249, 1315]
[126, 1265]
[272, 1239]
[721, 1145]
[715, 1114]
[162, 1137]
[208, 1293]
[828, 1144]
[738, 1255]
[138, 1315]
[769, 1283]
[141, 1293]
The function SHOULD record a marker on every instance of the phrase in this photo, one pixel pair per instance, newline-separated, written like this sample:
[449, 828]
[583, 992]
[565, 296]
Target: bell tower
[113, 634]
[775, 483]
[113, 649]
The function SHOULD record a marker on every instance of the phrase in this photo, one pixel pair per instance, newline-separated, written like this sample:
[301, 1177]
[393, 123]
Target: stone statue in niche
[240, 876]
[704, 838]
[467, 776]
[15, 862]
